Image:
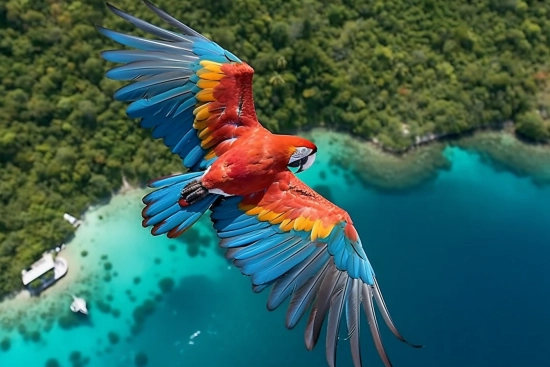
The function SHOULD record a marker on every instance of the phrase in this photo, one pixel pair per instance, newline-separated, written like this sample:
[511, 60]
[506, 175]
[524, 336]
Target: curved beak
[306, 162]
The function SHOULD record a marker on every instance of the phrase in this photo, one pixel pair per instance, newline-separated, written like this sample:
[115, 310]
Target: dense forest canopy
[370, 67]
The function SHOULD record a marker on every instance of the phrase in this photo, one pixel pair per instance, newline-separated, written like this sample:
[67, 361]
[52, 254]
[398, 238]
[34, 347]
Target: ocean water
[462, 261]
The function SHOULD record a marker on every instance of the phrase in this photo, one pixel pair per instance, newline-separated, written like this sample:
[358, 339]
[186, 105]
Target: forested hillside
[371, 67]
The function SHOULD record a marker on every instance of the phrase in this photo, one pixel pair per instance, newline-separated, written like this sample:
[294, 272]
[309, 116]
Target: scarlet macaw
[197, 97]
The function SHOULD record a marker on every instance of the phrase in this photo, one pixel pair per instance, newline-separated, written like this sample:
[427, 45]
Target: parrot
[197, 97]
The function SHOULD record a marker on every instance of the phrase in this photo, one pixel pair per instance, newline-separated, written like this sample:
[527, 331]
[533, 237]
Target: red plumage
[198, 98]
[253, 162]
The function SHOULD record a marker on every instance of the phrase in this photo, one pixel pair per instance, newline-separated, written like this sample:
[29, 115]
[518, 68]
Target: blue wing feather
[297, 277]
[253, 264]
[157, 31]
[329, 274]
[164, 75]
[189, 140]
[152, 86]
[262, 247]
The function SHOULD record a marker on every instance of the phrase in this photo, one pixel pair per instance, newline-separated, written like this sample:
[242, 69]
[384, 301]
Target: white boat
[74, 221]
[78, 305]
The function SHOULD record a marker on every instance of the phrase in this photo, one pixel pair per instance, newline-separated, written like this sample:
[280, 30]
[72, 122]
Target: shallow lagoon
[461, 257]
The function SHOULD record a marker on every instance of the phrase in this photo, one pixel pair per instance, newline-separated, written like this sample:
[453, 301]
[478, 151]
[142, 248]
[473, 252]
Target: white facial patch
[300, 153]
[309, 162]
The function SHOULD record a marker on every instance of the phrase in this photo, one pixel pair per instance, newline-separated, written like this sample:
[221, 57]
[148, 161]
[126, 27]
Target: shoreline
[374, 167]
[73, 257]
[388, 170]
[422, 140]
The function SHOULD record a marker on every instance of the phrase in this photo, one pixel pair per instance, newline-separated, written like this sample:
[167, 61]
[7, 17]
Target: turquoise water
[462, 261]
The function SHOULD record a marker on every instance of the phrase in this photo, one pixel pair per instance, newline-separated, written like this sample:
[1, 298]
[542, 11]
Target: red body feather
[253, 162]
[301, 244]
[293, 204]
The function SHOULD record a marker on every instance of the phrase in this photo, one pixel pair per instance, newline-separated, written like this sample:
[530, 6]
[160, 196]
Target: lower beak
[302, 162]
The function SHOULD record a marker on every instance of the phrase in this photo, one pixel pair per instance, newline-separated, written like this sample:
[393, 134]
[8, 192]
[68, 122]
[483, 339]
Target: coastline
[422, 140]
[120, 270]
[367, 162]
[48, 299]
[127, 272]
[388, 170]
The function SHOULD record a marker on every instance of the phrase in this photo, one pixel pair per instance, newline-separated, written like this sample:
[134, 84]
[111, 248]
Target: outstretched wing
[195, 95]
[291, 238]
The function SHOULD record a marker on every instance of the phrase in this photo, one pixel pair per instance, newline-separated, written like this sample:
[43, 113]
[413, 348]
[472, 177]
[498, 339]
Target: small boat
[72, 220]
[78, 305]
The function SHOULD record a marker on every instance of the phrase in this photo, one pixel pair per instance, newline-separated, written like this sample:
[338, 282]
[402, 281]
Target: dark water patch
[115, 313]
[166, 285]
[77, 359]
[84, 253]
[137, 280]
[103, 306]
[113, 338]
[35, 336]
[108, 266]
[195, 241]
[323, 175]
[107, 278]
[75, 356]
[52, 362]
[5, 344]
[140, 314]
[104, 257]
[157, 261]
[172, 248]
[141, 359]
[69, 320]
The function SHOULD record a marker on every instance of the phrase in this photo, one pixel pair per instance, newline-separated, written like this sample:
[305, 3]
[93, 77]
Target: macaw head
[302, 153]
